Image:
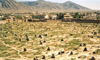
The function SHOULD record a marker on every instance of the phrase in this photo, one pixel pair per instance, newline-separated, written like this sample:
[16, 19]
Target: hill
[13, 6]
[51, 6]
[40, 5]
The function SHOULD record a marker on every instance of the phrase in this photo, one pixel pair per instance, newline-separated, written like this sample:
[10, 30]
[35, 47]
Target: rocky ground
[50, 41]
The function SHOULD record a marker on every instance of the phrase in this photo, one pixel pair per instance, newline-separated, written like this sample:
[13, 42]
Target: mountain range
[40, 5]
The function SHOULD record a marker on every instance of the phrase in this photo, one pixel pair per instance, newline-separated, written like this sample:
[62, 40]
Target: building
[47, 17]
[67, 16]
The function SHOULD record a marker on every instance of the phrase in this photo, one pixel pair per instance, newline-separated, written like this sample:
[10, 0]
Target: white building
[47, 17]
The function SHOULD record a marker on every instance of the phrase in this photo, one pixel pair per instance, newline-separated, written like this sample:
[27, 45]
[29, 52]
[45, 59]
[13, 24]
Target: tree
[3, 18]
[18, 17]
[98, 17]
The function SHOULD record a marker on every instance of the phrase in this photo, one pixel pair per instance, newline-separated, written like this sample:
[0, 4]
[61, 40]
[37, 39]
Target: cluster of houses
[48, 16]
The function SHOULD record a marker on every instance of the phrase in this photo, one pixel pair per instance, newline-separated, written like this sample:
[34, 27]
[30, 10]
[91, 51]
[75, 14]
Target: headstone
[80, 45]
[71, 34]
[62, 40]
[27, 39]
[1, 29]
[15, 34]
[71, 53]
[94, 53]
[34, 59]
[92, 58]
[98, 36]
[24, 49]
[35, 35]
[91, 36]
[20, 35]
[44, 41]
[20, 39]
[95, 33]
[40, 42]
[75, 48]
[5, 36]
[48, 49]
[43, 57]
[45, 35]
[40, 36]
[84, 44]
[85, 49]
[53, 56]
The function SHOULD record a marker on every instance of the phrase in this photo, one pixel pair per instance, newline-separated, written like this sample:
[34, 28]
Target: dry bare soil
[42, 40]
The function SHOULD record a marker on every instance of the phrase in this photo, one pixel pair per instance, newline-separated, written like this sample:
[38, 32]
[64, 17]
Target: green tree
[98, 17]
[3, 18]
[18, 17]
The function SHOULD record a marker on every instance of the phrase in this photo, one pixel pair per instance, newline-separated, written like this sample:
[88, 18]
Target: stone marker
[45, 35]
[53, 56]
[71, 53]
[35, 35]
[59, 53]
[62, 52]
[40, 42]
[19, 39]
[20, 35]
[34, 59]
[62, 40]
[48, 49]
[40, 36]
[80, 45]
[43, 57]
[27, 39]
[85, 49]
[84, 44]
[15, 34]
[44, 41]
[24, 49]
[94, 53]
[1, 29]
[75, 48]
[92, 58]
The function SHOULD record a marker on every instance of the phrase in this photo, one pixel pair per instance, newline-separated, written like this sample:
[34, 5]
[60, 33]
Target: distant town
[36, 16]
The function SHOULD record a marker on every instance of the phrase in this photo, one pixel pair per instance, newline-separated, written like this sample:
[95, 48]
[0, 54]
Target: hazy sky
[92, 4]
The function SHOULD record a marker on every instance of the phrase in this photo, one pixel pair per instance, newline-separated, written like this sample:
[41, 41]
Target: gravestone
[92, 58]
[84, 44]
[62, 40]
[94, 53]
[27, 39]
[20, 35]
[24, 49]
[43, 57]
[85, 49]
[44, 41]
[48, 49]
[59, 53]
[95, 33]
[35, 35]
[40, 36]
[40, 42]
[5, 36]
[53, 56]
[45, 35]
[19, 39]
[80, 45]
[34, 59]
[62, 52]
[71, 53]
[15, 34]
[1, 29]
[75, 48]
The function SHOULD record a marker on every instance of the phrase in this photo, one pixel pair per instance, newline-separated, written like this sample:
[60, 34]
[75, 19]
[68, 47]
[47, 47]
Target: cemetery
[49, 41]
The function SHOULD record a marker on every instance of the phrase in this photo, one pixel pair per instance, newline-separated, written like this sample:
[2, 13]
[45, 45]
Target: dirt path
[14, 49]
